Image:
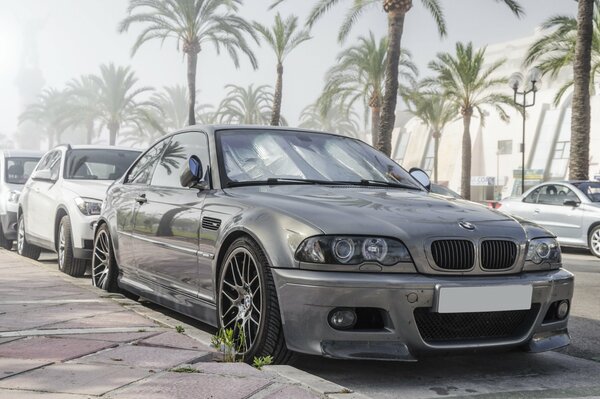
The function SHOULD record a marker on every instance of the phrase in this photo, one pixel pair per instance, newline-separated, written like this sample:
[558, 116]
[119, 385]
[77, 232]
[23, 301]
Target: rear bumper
[306, 299]
[9, 225]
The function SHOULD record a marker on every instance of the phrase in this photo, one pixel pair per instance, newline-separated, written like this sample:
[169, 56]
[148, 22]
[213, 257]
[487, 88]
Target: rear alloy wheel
[23, 247]
[4, 242]
[247, 303]
[67, 262]
[104, 265]
[594, 241]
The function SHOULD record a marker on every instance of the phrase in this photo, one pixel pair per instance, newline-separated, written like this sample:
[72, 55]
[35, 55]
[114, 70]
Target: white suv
[62, 199]
[15, 168]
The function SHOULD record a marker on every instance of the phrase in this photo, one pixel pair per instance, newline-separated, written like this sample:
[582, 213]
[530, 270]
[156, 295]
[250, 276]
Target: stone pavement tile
[56, 349]
[292, 392]
[172, 339]
[191, 385]
[121, 337]
[232, 369]
[84, 379]
[143, 356]
[123, 318]
[11, 366]
[12, 394]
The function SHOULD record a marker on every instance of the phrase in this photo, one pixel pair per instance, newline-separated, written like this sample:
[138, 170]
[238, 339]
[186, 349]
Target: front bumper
[306, 299]
[9, 225]
[82, 228]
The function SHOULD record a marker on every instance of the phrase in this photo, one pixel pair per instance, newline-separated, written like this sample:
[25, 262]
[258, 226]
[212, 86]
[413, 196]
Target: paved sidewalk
[61, 338]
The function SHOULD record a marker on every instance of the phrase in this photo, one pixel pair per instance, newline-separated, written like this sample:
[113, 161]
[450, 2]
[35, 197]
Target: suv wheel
[4, 242]
[104, 264]
[67, 262]
[23, 247]
[594, 241]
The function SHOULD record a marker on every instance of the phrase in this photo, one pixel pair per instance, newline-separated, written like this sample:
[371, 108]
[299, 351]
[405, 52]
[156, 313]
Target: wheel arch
[230, 239]
[592, 227]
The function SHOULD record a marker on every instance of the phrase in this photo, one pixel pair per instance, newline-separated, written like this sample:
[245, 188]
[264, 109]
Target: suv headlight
[13, 196]
[543, 250]
[88, 206]
[351, 250]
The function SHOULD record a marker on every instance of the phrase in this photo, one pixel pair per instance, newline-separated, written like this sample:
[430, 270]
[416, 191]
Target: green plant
[260, 362]
[180, 329]
[230, 344]
[185, 369]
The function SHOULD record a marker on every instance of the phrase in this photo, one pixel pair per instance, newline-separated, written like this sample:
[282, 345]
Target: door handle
[536, 211]
[141, 199]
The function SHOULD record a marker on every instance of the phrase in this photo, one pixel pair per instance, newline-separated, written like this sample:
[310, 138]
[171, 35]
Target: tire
[243, 299]
[67, 262]
[23, 247]
[594, 241]
[4, 242]
[104, 265]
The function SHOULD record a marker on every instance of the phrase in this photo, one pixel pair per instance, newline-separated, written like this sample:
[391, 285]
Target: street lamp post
[530, 86]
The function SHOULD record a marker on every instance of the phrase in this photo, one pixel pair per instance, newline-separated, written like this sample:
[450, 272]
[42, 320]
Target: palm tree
[434, 110]
[337, 118]
[173, 101]
[396, 11]
[282, 37]
[81, 105]
[359, 76]
[192, 23]
[48, 113]
[465, 81]
[118, 102]
[246, 105]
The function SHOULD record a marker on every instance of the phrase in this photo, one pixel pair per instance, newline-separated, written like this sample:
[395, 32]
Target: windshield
[18, 170]
[591, 189]
[102, 164]
[258, 155]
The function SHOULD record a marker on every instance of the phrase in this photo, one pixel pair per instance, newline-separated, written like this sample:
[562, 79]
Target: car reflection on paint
[316, 243]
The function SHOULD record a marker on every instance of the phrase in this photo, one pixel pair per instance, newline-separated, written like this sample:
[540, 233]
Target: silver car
[312, 242]
[569, 209]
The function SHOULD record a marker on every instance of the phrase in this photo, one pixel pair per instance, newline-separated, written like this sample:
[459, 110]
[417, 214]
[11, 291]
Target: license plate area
[494, 298]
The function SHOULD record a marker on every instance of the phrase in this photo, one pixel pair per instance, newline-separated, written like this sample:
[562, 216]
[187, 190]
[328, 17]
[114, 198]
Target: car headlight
[351, 250]
[13, 196]
[543, 250]
[88, 206]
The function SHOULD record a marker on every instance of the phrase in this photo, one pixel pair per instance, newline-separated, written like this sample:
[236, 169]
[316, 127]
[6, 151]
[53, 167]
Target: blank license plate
[483, 299]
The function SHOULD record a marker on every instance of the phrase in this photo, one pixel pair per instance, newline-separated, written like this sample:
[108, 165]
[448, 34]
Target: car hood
[407, 214]
[95, 189]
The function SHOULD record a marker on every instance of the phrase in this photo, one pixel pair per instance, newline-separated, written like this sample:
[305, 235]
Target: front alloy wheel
[595, 241]
[104, 266]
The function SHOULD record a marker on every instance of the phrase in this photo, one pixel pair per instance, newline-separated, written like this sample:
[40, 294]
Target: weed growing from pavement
[180, 329]
[185, 369]
[260, 362]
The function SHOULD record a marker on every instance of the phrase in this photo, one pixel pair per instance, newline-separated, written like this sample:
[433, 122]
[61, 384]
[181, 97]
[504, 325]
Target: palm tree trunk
[192, 61]
[275, 116]
[465, 180]
[388, 111]
[113, 130]
[375, 121]
[90, 132]
[580, 119]
[436, 148]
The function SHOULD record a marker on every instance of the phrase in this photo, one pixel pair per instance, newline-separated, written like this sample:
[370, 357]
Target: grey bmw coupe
[317, 243]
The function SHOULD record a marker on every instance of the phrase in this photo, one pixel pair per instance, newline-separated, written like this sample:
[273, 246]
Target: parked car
[15, 168]
[570, 209]
[61, 202]
[443, 190]
[312, 242]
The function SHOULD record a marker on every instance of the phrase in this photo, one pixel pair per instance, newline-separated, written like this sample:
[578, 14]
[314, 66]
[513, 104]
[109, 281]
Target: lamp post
[530, 86]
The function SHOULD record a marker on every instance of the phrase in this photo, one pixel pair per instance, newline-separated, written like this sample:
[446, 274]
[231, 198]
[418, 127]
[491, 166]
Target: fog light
[562, 310]
[342, 319]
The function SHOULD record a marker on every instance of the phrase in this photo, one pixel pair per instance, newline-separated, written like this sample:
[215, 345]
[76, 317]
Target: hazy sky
[76, 36]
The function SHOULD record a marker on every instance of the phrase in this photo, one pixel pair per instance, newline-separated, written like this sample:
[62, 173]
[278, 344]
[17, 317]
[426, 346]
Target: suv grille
[453, 254]
[498, 254]
[444, 327]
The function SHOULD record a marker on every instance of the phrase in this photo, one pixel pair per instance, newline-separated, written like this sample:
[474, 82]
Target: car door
[524, 207]
[41, 202]
[565, 221]
[127, 199]
[167, 224]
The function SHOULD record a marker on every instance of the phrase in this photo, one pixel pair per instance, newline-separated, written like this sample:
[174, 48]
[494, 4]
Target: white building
[497, 145]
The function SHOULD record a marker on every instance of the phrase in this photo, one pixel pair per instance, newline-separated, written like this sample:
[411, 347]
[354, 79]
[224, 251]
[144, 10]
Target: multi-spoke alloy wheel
[23, 247]
[240, 302]
[595, 241]
[61, 247]
[104, 267]
[20, 235]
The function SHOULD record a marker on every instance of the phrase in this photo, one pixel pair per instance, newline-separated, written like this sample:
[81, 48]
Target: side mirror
[421, 176]
[42, 175]
[193, 175]
[570, 202]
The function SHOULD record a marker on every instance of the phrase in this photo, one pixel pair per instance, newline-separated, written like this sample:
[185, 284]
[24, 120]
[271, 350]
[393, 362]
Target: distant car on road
[570, 209]
[62, 199]
[312, 242]
[15, 168]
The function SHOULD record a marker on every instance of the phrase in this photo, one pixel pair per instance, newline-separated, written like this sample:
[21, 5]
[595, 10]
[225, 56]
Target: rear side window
[141, 172]
[18, 170]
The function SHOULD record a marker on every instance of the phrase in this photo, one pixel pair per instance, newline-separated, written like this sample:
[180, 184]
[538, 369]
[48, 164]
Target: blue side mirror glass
[195, 167]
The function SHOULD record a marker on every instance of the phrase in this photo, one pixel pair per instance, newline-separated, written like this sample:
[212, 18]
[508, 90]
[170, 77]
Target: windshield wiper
[282, 180]
[366, 182]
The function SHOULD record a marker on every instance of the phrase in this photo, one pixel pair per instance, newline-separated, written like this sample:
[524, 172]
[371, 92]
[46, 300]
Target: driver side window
[555, 194]
[141, 172]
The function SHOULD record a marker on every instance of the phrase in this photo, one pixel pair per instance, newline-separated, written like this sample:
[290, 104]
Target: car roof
[22, 153]
[97, 147]
[216, 127]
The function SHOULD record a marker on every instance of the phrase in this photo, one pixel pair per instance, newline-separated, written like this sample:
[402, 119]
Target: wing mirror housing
[570, 202]
[193, 175]
[43, 175]
[422, 177]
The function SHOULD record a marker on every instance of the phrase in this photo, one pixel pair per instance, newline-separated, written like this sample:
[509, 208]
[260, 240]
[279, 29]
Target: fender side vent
[211, 223]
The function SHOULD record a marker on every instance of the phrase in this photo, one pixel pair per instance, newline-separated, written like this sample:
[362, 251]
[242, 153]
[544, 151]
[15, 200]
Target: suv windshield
[591, 189]
[17, 170]
[105, 164]
[255, 156]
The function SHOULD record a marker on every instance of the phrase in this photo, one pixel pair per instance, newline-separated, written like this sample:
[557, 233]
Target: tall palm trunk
[580, 119]
[465, 180]
[375, 105]
[89, 131]
[113, 130]
[191, 50]
[436, 148]
[276, 115]
[396, 10]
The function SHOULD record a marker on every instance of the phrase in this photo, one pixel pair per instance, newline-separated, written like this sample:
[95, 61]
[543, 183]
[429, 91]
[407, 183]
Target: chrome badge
[467, 225]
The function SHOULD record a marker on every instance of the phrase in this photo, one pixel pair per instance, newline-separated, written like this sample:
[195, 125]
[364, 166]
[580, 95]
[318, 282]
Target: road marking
[75, 331]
